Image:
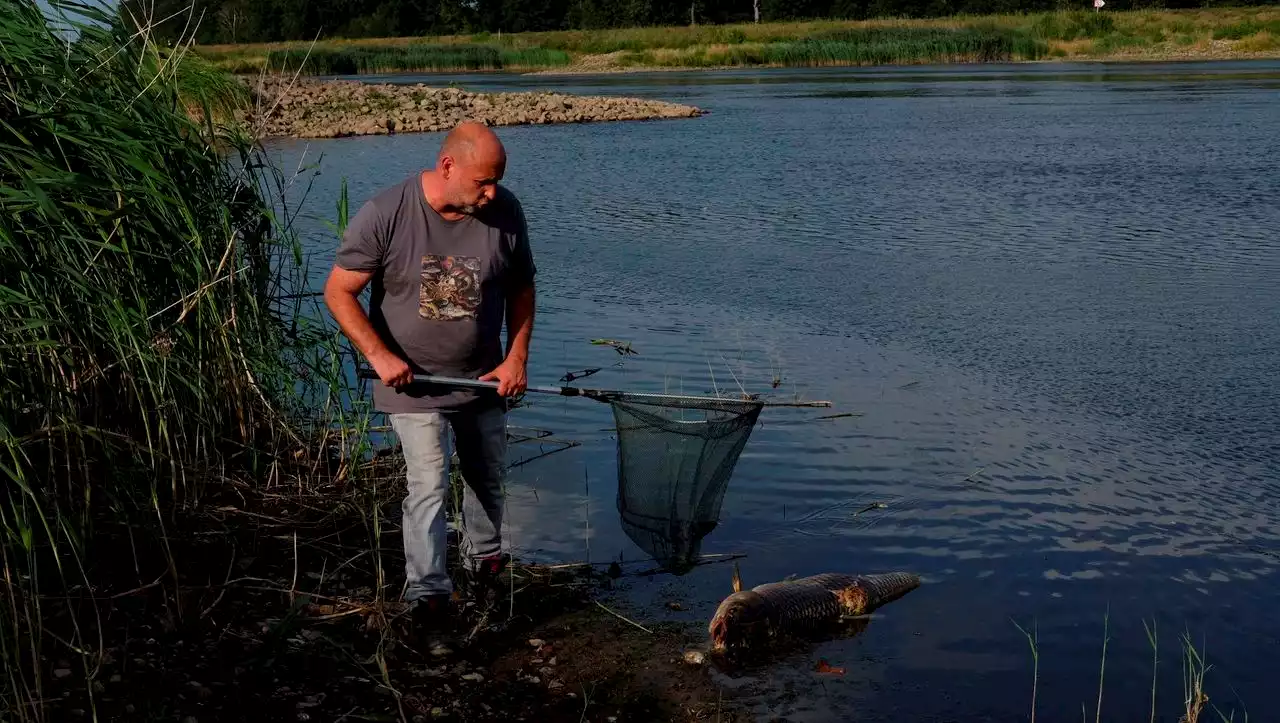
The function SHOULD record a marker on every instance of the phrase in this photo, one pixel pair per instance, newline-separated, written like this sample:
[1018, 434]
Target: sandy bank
[308, 108]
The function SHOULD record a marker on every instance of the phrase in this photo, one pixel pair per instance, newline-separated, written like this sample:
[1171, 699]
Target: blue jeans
[480, 437]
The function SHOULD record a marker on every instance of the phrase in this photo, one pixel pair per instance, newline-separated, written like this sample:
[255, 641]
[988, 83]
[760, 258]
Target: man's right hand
[340, 294]
[392, 370]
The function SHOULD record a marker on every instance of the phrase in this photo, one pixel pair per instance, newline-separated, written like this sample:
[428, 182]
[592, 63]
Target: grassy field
[1208, 33]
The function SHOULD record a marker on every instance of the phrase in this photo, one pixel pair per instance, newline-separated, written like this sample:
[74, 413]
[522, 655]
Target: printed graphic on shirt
[450, 288]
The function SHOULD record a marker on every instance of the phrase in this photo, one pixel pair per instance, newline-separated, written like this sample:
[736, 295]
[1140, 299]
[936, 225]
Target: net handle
[601, 395]
[477, 384]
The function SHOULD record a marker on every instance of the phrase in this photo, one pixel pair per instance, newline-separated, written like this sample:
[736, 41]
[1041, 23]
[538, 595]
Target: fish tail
[887, 587]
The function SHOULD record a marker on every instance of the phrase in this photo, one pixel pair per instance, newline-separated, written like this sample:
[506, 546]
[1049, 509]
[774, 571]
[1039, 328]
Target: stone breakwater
[308, 108]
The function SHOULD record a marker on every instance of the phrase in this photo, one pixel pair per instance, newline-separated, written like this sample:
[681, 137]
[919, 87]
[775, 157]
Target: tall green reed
[1194, 669]
[148, 341]
[1073, 25]
[863, 46]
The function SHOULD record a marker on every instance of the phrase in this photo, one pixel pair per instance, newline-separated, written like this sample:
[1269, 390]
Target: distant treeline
[251, 21]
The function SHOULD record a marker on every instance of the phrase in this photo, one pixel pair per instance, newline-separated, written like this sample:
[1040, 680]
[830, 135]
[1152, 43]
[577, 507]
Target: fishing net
[675, 458]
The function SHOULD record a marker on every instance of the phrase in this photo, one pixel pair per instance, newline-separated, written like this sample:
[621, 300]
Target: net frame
[675, 457]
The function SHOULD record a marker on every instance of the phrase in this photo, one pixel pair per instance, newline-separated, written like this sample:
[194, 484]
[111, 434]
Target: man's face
[474, 182]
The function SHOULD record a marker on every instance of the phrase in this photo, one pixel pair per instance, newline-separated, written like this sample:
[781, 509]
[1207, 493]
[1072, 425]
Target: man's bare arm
[511, 374]
[520, 312]
[341, 295]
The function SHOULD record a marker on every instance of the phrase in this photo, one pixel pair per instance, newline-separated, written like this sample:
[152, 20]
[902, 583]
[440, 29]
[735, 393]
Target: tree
[231, 18]
[795, 9]
[417, 17]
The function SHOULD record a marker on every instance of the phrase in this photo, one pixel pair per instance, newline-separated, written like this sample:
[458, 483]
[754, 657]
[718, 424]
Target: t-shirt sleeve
[364, 243]
[521, 268]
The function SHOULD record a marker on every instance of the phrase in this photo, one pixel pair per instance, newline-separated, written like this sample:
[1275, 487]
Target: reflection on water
[1050, 294]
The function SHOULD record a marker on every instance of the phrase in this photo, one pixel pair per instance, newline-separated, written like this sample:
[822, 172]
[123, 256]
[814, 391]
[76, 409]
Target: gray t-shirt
[439, 291]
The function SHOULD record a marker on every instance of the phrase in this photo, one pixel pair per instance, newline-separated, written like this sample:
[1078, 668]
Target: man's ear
[446, 165]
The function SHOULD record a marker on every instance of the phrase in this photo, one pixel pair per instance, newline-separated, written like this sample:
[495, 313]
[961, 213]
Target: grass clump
[1116, 42]
[354, 60]
[980, 43]
[1261, 42]
[861, 46]
[1073, 25]
[1246, 28]
[1194, 669]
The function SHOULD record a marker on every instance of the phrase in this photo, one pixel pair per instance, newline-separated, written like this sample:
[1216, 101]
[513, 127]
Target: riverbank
[308, 108]
[286, 607]
[1217, 33]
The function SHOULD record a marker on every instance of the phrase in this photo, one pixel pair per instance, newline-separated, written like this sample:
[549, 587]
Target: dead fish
[755, 616]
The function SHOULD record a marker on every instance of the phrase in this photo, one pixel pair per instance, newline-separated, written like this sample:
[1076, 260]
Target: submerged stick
[843, 415]
[616, 615]
[702, 560]
[699, 563]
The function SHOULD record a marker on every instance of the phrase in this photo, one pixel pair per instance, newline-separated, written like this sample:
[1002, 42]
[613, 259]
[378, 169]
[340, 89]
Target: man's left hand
[510, 376]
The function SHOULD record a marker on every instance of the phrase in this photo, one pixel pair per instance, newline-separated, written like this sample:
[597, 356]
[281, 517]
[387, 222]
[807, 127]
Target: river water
[1051, 294]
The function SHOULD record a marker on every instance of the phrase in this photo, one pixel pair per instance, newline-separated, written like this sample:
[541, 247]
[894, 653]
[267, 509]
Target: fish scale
[810, 601]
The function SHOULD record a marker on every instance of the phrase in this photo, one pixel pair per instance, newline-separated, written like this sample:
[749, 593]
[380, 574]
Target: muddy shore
[308, 108]
[287, 607]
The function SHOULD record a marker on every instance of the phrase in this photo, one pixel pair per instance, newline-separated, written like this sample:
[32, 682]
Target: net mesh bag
[675, 458]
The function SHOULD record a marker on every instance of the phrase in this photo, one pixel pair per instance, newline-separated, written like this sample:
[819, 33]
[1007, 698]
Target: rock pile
[307, 108]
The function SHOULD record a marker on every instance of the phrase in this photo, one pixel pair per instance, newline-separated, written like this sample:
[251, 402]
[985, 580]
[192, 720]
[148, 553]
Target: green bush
[1245, 28]
[867, 46]
[1073, 25]
[728, 36]
[1119, 41]
[892, 45]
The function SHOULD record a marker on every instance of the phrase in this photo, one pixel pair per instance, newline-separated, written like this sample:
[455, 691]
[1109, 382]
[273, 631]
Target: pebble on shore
[308, 108]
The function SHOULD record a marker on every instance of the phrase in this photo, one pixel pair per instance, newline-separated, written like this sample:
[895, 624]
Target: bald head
[468, 168]
[471, 143]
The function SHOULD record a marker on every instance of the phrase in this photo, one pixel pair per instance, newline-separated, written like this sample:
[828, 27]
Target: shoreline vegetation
[289, 99]
[1217, 33]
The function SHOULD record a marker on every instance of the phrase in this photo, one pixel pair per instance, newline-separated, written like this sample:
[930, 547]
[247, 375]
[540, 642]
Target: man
[447, 251]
